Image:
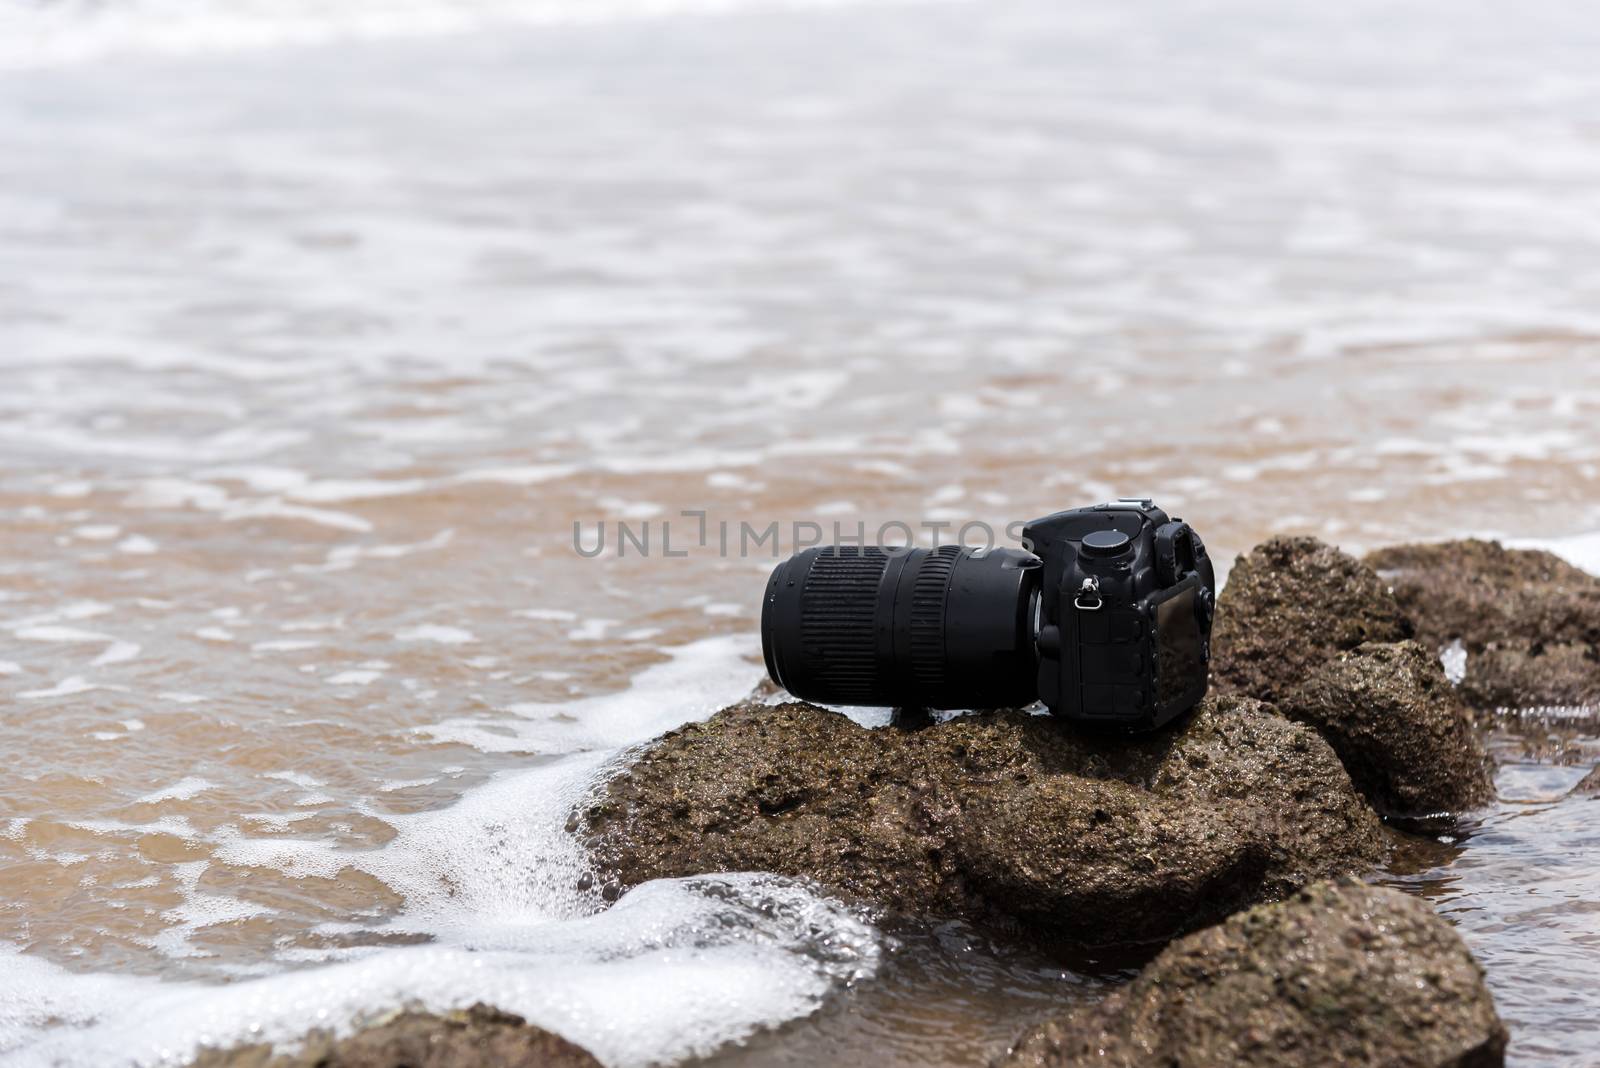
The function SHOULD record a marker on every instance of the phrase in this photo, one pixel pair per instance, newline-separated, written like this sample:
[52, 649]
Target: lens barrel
[949, 627]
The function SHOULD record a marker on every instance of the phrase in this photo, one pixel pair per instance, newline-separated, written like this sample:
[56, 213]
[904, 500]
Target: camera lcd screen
[1177, 646]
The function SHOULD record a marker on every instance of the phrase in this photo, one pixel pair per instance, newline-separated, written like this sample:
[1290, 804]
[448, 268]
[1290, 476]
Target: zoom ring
[838, 607]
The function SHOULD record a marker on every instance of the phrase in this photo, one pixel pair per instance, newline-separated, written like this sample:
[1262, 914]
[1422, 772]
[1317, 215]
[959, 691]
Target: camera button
[1105, 543]
[1049, 642]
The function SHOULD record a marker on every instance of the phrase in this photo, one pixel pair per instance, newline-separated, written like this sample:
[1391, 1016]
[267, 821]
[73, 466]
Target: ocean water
[321, 330]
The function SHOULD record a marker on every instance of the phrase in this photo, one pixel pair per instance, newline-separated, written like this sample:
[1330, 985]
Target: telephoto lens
[1104, 614]
[950, 627]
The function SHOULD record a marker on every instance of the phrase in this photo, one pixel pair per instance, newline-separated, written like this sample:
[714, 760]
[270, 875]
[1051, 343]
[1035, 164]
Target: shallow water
[1521, 883]
[314, 354]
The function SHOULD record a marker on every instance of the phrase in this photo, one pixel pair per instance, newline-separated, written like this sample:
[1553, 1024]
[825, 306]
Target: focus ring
[927, 622]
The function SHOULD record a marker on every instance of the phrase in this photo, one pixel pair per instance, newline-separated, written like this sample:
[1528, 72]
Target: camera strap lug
[1089, 592]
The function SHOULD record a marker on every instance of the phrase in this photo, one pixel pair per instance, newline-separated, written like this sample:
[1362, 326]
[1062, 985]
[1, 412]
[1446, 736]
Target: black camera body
[1105, 616]
[1126, 600]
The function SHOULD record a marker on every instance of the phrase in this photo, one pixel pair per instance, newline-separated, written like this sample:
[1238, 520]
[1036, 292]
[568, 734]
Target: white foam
[700, 678]
[353, 678]
[261, 478]
[683, 461]
[1580, 550]
[392, 552]
[182, 790]
[74, 684]
[60, 634]
[97, 531]
[673, 970]
[33, 37]
[79, 610]
[342, 557]
[329, 491]
[433, 632]
[276, 821]
[1453, 658]
[295, 778]
[870, 717]
[38, 994]
[499, 852]
[177, 826]
[117, 652]
[284, 645]
[273, 508]
[1502, 447]
[312, 624]
[389, 786]
[591, 630]
[555, 615]
[197, 910]
[528, 475]
[732, 481]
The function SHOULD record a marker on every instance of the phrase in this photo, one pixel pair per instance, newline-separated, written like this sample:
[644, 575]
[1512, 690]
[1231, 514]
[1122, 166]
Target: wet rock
[1528, 621]
[1291, 605]
[1517, 675]
[1002, 818]
[1341, 973]
[1481, 591]
[1405, 737]
[480, 1037]
[1589, 785]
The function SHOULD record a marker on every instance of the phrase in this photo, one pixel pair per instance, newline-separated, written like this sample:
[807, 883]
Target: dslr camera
[1104, 615]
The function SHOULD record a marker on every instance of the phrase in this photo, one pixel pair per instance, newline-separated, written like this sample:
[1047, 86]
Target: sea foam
[497, 885]
[675, 969]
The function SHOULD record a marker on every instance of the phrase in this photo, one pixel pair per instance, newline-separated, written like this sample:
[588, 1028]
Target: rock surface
[1339, 974]
[1589, 784]
[1002, 818]
[480, 1037]
[1394, 719]
[1289, 606]
[1529, 621]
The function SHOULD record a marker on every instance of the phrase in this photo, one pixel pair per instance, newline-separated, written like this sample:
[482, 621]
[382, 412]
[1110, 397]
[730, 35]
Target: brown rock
[480, 1037]
[1003, 818]
[1341, 973]
[1529, 621]
[1403, 734]
[1291, 605]
[1589, 784]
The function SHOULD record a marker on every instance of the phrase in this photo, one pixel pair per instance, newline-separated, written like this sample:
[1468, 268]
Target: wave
[42, 35]
[493, 887]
